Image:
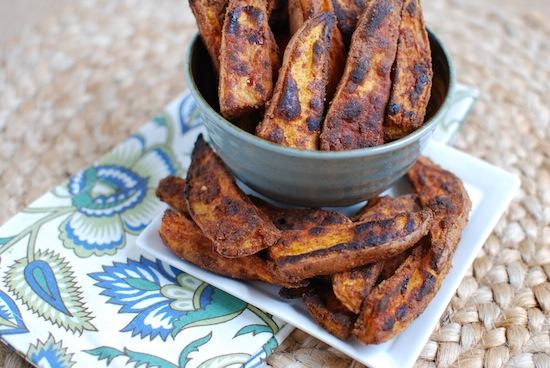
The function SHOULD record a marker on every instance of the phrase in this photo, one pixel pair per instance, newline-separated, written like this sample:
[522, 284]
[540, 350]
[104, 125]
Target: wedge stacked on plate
[369, 275]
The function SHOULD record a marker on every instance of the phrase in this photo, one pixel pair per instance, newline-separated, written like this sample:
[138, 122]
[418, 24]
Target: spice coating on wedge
[170, 190]
[185, 239]
[299, 218]
[209, 15]
[299, 11]
[246, 75]
[326, 310]
[294, 115]
[411, 75]
[222, 211]
[351, 287]
[348, 12]
[355, 117]
[385, 207]
[398, 300]
[325, 250]
[444, 193]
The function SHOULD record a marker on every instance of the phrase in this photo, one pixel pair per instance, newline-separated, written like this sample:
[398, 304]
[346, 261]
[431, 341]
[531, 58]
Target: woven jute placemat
[81, 81]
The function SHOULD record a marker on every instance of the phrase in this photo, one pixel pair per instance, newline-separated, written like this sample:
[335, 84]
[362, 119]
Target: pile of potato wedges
[369, 275]
[319, 74]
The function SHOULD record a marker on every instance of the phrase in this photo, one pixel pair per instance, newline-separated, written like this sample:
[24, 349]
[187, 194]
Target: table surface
[85, 78]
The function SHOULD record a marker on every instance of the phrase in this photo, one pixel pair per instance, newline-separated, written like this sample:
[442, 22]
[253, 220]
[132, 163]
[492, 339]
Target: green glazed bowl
[314, 178]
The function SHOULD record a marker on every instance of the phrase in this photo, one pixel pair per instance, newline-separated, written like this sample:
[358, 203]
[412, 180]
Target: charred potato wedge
[221, 210]
[246, 53]
[412, 75]
[209, 15]
[348, 12]
[185, 239]
[170, 190]
[351, 287]
[293, 117]
[326, 310]
[325, 250]
[356, 114]
[385, 207]
[299, 11]
[398, 300]
[444, 193]
[299, 218]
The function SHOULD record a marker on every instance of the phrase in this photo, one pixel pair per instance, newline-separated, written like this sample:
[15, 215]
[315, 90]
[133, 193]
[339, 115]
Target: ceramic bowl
[314, 178]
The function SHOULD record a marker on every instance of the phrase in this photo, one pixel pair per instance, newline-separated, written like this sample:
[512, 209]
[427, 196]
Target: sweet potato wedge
[246, 53]
[221, 210]
[185, 239]
[351, 287]
[326, 310]
[444, 193]
[293, 116]
[209, 15]
[325, 250]
[385, 207]
[411, 75]
[348, 12]
[170, 190]
[355, 117]
[299, 11]
[299, 218]
[398, 300]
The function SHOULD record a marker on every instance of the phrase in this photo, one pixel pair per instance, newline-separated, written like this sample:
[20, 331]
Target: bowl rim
[320, 154]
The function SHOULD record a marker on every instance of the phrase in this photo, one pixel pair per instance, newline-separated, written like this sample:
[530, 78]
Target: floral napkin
[74, 291]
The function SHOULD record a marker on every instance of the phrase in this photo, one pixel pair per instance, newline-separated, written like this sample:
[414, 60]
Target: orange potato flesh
[185, 239]
[328, 250]
[221, 210]
[351, 287]
[209, 16]
[293, 117]
[300, 11]
[398, 300]
[246, 66]
[412, 75]
[355, 117]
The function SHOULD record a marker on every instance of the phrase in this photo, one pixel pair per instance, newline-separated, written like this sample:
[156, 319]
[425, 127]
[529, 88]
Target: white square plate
[491, 190]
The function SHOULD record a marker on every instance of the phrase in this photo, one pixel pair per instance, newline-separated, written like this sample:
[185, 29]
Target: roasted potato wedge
[398, 300]
[392, 264]
[170, 190]
[293, 117]
[326, 310]
[355, 117]
[385, 207]
[444, 193]
[221, 210]
[411, 76]
[348, 12]
[246, 53]
[325, 250]
[179, 233]
[299, 11]
[299, 218]
[209, 16]
[351, 287]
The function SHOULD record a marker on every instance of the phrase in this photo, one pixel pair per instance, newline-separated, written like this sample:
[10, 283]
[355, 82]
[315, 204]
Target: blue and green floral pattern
[74, 291]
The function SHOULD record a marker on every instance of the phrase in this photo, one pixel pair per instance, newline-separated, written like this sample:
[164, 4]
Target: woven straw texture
[80, 82]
